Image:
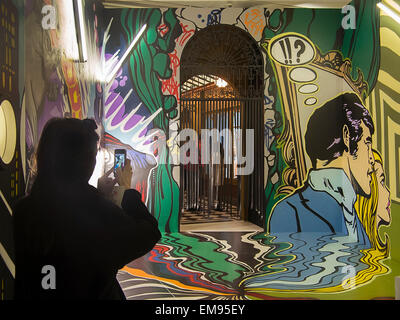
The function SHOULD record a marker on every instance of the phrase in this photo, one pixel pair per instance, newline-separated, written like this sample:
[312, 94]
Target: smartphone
[119, 158]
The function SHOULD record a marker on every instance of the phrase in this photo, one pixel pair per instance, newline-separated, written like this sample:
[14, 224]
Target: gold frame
[291, 140]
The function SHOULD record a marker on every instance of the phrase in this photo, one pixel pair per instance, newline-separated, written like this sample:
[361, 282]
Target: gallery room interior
[263, 138]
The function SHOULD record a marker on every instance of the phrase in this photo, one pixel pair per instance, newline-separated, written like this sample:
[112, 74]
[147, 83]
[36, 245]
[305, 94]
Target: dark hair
[66, 151]
[324, 134]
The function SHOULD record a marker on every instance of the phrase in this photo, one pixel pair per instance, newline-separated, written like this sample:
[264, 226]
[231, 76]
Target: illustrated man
[338, 141]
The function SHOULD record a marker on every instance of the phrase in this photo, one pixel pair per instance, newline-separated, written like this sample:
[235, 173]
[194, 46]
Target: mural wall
[384, 108]
[312, 66]
[148, 85]
[11, 177]
[310, 61]
[39, 75]
[56, 85]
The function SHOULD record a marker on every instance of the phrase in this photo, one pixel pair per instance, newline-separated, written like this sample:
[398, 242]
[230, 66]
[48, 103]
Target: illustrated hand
[124, 175]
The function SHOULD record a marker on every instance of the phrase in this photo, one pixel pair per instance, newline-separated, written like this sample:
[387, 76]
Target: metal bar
[203, 166]
[209, 193]
[260, 160]
[222, 154]
[232, 168]
[223, 173]
[236, 125]
[195, 168]
[185, 173]
[190, 184]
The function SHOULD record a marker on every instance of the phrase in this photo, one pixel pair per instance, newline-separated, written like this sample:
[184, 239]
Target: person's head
[343, 128]
[374, 211]
[67, 150]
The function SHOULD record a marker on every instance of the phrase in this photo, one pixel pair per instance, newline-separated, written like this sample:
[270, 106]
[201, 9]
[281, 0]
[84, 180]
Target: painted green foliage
[323, 28]
[149, 63]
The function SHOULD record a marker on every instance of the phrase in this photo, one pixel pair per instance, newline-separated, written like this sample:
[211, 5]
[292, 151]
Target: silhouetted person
[70, 226]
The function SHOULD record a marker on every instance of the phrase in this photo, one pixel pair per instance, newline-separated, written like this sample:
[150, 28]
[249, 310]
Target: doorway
[221, 101]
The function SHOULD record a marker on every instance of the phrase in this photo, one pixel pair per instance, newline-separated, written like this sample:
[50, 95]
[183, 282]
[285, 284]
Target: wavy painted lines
[208, 255]
[321, 266]
[390, 40]
[385, 109]
[140, 285]
[175, 267]
[232, 257]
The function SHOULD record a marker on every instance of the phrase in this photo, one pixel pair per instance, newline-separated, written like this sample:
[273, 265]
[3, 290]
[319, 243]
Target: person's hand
[105, 184]
[124, 175]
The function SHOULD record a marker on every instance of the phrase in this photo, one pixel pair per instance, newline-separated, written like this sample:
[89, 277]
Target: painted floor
[210, 262]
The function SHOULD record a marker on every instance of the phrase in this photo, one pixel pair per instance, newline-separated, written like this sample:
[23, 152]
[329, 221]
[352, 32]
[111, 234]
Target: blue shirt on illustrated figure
[338, 141]
[325, 204]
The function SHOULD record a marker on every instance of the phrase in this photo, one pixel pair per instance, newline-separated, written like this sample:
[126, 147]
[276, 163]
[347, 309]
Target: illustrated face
[383, 207]
[361, 165]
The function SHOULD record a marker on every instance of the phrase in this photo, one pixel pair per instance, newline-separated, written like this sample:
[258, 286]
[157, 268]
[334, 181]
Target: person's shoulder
[96, 199]
[26, 202]
[319, 198]
[290, 201]
[287, 212]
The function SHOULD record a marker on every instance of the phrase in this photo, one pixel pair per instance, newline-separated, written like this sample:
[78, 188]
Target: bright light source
[81, 35]
[389, 12]
[98, 169]
[112, 74]
[393, 4]
[68, 29]
[221, 83]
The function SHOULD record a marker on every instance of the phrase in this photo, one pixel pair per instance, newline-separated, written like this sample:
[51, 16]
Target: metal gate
[222, 88]
[214, 182]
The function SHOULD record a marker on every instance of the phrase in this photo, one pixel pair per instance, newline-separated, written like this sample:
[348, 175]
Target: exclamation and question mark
[287, 50]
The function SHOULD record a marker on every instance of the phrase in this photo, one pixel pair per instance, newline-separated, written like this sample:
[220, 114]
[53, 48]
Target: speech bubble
[308, 88]
[302, 74]
[310, 101]
[291, 49]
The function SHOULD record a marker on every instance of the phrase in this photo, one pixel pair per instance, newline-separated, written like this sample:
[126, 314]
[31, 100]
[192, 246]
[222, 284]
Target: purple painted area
[119, 82]
[119, 117]
[115, 105]
[143, 133]
[132, 122]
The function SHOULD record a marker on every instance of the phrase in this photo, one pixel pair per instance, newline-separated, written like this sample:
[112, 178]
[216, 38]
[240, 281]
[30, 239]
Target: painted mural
[40, 76]
[309, 250]
[138, 113]
[11, 178]
[55, 84]
[312, 66]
